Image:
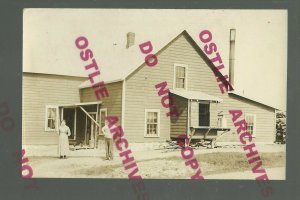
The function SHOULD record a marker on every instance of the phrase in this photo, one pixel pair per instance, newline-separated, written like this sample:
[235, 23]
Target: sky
[260, 51]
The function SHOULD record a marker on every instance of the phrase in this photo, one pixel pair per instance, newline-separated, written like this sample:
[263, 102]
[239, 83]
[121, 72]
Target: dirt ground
[228, 162]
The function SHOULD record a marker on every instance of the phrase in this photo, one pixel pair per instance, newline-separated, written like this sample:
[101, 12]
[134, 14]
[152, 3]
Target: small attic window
[180, 76]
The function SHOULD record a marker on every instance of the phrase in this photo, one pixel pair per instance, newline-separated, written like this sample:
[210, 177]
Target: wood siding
[113, 102]
[265, 118]
[40, 90]
[179, 124]
[141, 94]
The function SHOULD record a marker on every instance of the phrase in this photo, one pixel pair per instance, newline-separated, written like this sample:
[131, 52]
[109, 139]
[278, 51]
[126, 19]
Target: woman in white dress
[63, 145]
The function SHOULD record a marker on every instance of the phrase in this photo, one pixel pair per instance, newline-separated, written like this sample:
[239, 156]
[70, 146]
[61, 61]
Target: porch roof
[196, 95]
[80, 104]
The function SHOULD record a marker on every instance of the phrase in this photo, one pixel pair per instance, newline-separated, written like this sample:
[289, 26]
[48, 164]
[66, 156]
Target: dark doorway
[69, 116]
[204, 114]
[80, 127]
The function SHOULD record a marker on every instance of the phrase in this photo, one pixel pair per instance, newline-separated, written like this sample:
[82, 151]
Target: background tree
[280, 127]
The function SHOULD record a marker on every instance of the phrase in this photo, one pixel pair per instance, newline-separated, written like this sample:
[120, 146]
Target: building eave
[106, 82]
[243, 97]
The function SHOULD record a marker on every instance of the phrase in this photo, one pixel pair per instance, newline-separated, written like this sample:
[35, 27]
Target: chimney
[231, 56]
[130, 39]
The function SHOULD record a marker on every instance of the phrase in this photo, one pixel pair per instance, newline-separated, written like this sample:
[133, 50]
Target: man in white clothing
[108, 142]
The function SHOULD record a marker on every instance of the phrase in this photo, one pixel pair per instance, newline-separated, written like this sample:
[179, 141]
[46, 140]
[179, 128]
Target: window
[222, 121]
[251, 123]
[51, 118]
[180, 80]
[204, 114]
[152, 122]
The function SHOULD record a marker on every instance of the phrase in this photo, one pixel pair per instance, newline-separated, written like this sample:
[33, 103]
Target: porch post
[75, 123]
[61, 115]
[190, 134]
[189, 122]
[190, 106]
[97, 128]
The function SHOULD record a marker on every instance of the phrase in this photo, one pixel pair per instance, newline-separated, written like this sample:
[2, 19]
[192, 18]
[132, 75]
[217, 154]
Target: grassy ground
[237, 162]
[226, 162]
[169, 167]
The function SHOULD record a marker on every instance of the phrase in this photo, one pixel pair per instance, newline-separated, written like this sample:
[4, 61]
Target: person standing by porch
[108, 142]
[63, 145]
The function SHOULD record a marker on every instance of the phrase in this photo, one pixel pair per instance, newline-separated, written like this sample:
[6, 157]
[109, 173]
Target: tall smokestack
[130, 39]
[231, 56]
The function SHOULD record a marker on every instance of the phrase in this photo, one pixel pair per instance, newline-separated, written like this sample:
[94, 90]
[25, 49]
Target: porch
[85, 121]
[201, 116]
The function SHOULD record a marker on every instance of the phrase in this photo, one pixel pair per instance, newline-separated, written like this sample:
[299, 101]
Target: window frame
[158, 123]
[186, 76]
[46, 118]
[254, 122]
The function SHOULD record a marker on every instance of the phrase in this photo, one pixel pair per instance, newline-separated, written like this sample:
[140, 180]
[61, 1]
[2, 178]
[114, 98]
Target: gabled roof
[132, 59]
[195, 95]
[126, 61]
[233, 93]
